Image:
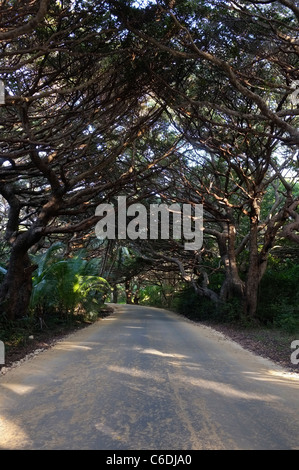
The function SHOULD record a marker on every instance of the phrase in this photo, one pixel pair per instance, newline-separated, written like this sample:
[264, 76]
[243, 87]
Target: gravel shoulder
[272, 344]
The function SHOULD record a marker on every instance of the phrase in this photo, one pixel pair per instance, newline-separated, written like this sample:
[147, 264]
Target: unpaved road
[148, 379]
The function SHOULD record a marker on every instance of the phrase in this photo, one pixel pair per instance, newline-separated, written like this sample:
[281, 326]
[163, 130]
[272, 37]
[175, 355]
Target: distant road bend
[145, 378]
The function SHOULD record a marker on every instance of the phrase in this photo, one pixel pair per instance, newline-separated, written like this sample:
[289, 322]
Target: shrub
[279, 297]
[66, 286]
[188, 303]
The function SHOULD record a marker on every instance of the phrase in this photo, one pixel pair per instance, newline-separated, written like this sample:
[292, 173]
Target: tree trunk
[252, 287]
[15, 291]
[232, 286]
[128, 292]
[258, 260]
[204, 291]
[254, 273]
[115, 294]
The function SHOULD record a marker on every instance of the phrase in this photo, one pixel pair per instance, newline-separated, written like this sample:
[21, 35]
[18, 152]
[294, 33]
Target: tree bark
[253, 275]
[16, 288]
[257, 265]
[128, 292]
[115, 294]
[232, 286]
[15, 291]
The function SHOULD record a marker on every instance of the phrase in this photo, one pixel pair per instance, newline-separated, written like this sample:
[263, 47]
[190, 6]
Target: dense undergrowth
[278, 305]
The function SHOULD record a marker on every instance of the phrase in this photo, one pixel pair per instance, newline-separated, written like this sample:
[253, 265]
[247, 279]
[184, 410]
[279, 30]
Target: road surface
[148, 379]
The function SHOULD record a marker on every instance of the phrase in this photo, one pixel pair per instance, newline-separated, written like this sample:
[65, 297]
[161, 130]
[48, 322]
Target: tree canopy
[187, 102]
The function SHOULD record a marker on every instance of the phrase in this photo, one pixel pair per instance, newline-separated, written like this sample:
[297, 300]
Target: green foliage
[232, 311]
[158, 295]
[151, 295]
[189, 304]
[16, 333]
[277, 306]
[279, 297]
[286, 318]
[67, 285]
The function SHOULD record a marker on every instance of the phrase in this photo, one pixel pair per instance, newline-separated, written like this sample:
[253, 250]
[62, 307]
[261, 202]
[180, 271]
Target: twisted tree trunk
[233, 286]
[15, 291]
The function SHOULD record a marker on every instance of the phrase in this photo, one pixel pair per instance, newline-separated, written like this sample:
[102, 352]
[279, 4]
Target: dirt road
[145, 378]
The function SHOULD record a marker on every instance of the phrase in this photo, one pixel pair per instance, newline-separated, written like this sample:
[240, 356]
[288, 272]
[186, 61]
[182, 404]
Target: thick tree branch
[28, 27]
